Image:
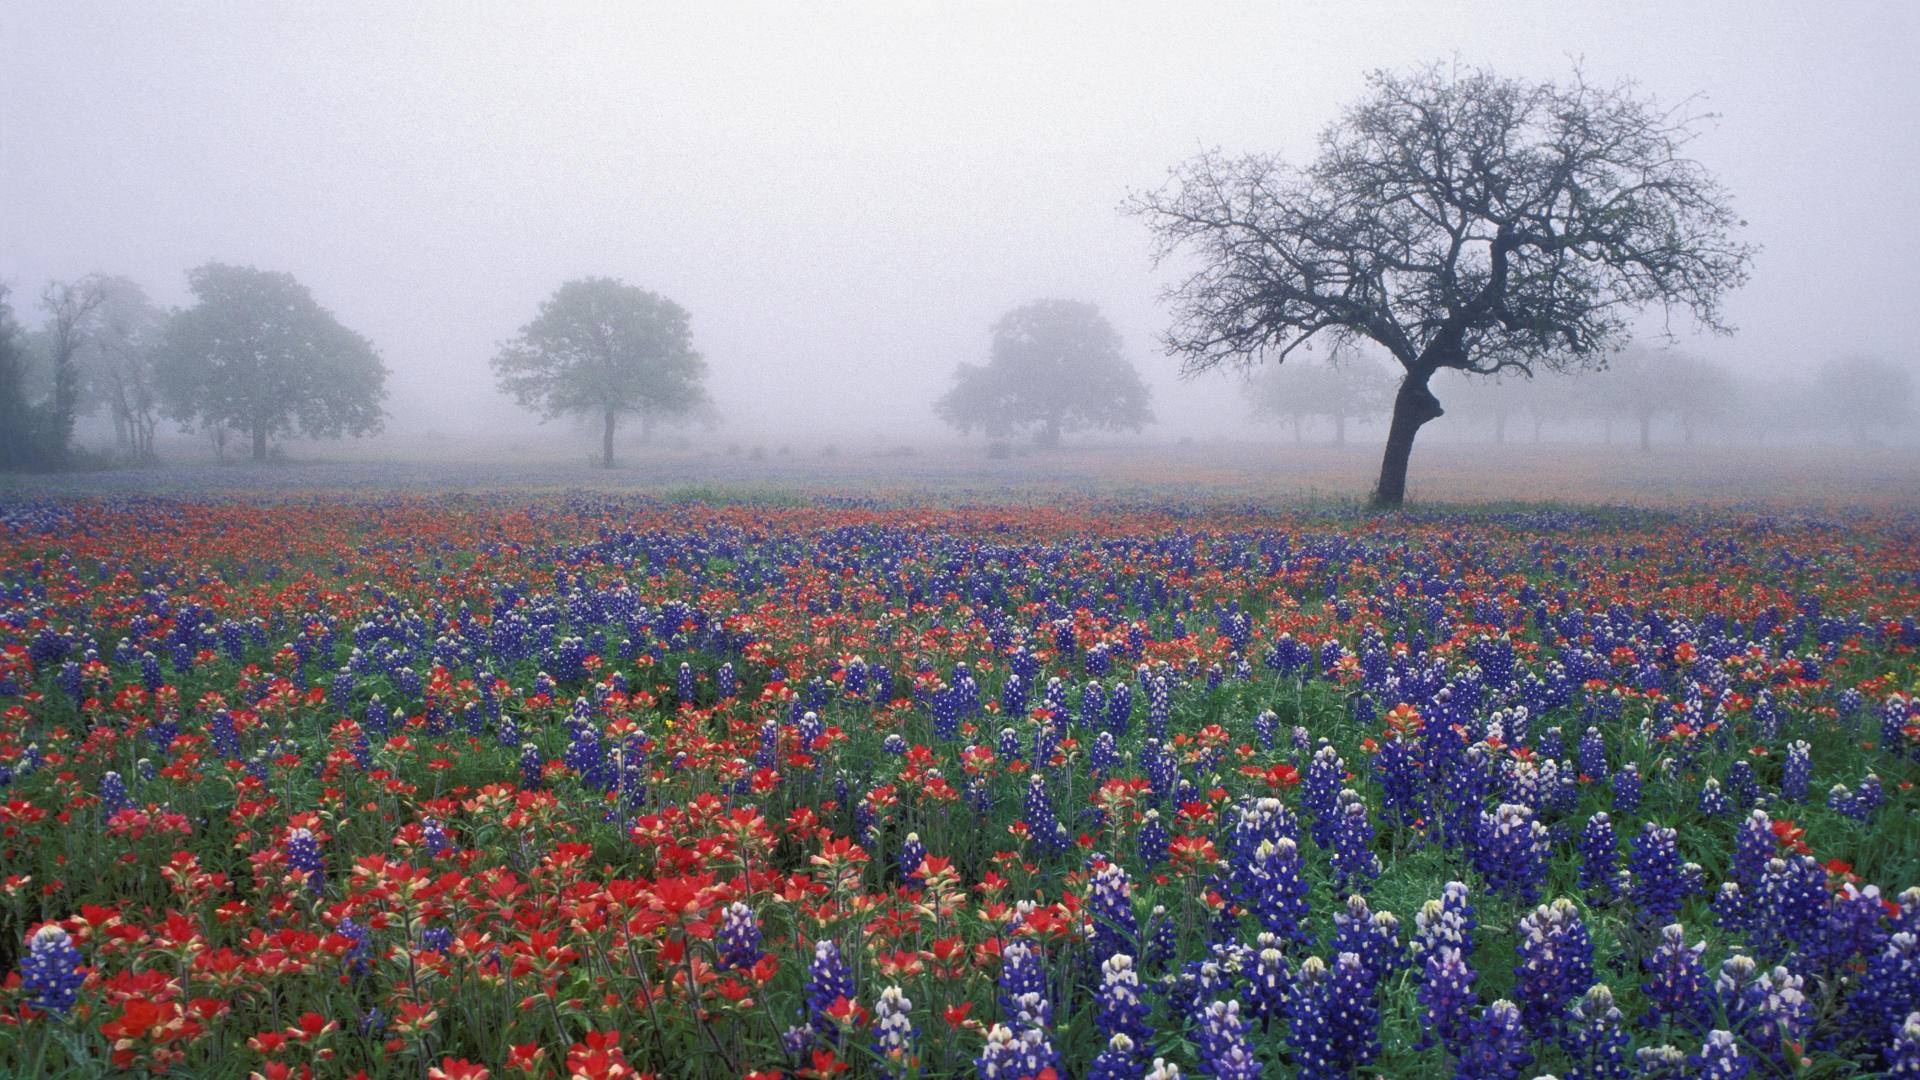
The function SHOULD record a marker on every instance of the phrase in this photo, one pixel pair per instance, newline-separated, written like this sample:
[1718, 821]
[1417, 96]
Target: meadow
[1162, 783]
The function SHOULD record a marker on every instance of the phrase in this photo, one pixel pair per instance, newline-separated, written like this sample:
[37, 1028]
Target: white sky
[845, 196]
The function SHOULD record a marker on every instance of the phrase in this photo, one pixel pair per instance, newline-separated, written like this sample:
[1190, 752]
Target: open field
[928, 766]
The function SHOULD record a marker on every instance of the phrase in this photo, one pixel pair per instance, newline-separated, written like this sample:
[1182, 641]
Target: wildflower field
[604, 786]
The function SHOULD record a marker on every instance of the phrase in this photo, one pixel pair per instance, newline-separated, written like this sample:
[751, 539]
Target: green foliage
[1056, 368]
[601, 347]
[257, 354]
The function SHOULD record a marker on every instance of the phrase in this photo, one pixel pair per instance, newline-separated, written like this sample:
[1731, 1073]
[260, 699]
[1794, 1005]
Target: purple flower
[893, 1033]
[1110, 903]
[1769, 1010]
[1372, 936]
[1659, 884]
[1334, 1018]
[1224, 1051]
[1354, 863]
[1796, 773]
[1448, 922]
[1599, 857]
[1122, 1010]
[1555, 959]
[1720, 1058]
[1903, 1053]
[829, 980]
[52, 970]
[1447, 993]
[303, 854]
[1119, 1061]
[1495, 1047]
[1511, 852]
[1676, 985]
[1596, 1038]
[738, 938]
[1009, 1056]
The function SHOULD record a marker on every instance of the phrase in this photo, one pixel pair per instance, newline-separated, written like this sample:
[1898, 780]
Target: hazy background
[845, 197]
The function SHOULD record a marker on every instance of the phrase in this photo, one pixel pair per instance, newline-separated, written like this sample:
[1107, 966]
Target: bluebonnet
[1554, 960]
[829, 980]
[912, 854]
[1599, 857]
[1110, 905]
[1009, 1056]
[1448, 922]
[1720, 1058]
[1120, 1060]
[1373, 936]
[1889, 988]
[1511, 852]
[738, 939]
[893, 1034]
[1321, 791]
[1354, 863]
[1676, 985]
[303, 854]
[1224, 1051]
[1626, 789]
[1659, 884]
[530, 767]
[1495, 1047]
[1595, 1039]
[1796, 772]
[1446, 991]
[1334, 1018]
[1122, 1009]
[1768, 1009]
[52, 972]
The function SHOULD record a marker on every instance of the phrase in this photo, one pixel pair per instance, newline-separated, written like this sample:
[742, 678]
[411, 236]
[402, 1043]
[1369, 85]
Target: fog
[846, 197]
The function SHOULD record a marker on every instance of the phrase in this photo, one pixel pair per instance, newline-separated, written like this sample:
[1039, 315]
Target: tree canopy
[257, 354]
[1056, 367]
[602, 348]
[1460, 220]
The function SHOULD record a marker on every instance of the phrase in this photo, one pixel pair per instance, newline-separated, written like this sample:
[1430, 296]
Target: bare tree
[1462, 221]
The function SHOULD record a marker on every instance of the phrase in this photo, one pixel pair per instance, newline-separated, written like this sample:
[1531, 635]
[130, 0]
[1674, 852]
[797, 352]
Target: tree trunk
[1646, 433]
[1049, 434]
[1339, 430]
[606, 440]
[259, 441]
[1413, 406]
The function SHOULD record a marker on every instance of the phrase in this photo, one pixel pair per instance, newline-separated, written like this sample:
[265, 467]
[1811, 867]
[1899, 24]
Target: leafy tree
[258, 355]
[1460, 220]
[600, 347]
[1056, 367]
[1347, 385]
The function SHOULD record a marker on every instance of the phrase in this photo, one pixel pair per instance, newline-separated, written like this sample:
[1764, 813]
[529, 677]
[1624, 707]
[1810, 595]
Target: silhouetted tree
[1346, 385]
[1864, 396]
[606, 349]
[1056, 368]
[257, 354]
[1462, 221]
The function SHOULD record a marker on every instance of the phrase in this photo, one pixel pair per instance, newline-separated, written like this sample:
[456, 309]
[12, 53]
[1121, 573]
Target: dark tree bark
[606, 440]
[1413, 406]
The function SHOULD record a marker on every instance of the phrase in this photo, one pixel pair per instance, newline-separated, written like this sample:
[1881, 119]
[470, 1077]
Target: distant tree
[72, 309]
[1056, 367]
[602, 348]
[17, 420]
[1461, 220]
[1346, 385]
[1865, 396]
[1645, 384]
[118, 362]
[258, 355]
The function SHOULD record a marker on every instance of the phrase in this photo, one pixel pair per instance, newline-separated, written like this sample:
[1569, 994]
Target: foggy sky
[846, 196]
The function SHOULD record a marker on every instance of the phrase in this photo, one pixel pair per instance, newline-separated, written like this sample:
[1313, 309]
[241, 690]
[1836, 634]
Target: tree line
[1456, 222]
